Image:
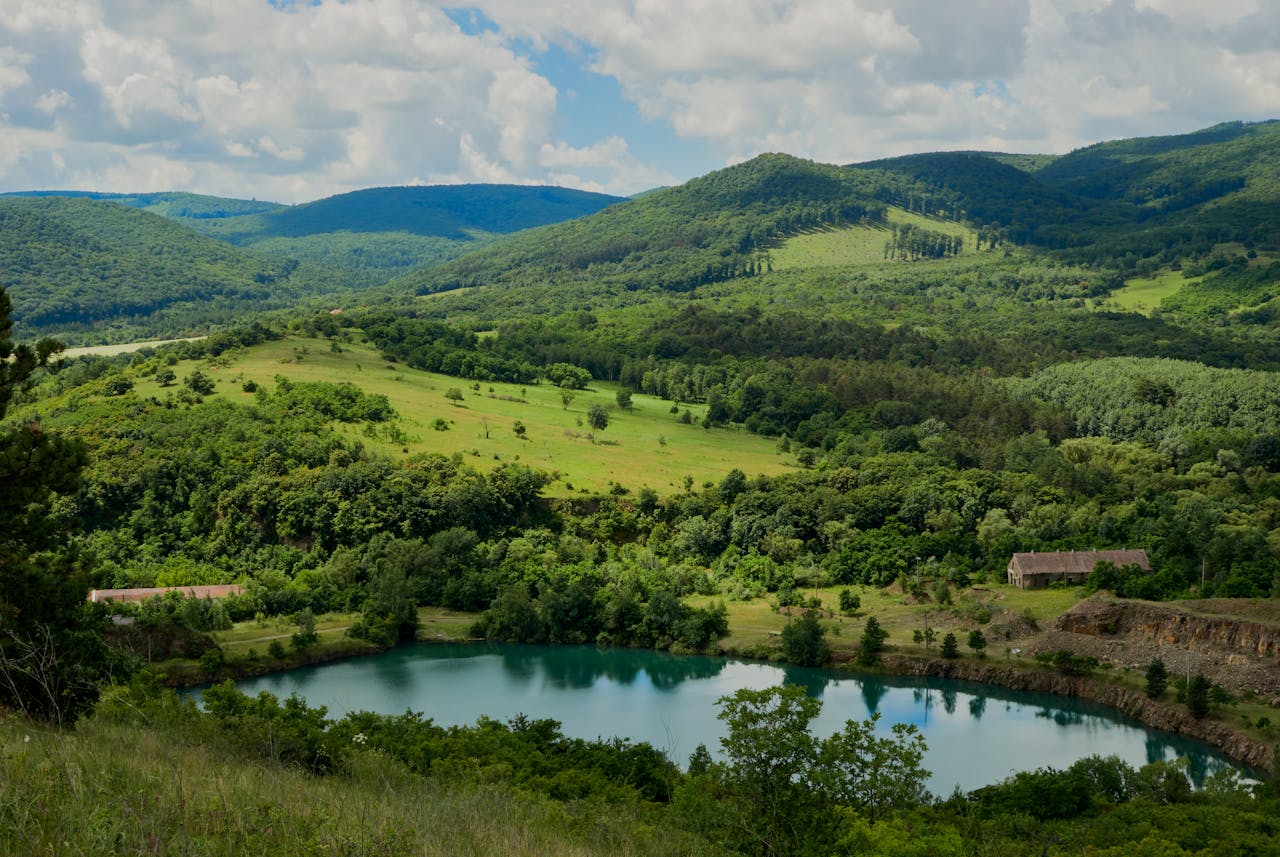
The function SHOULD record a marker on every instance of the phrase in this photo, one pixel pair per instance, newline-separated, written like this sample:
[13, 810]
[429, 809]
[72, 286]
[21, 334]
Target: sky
[293, 100]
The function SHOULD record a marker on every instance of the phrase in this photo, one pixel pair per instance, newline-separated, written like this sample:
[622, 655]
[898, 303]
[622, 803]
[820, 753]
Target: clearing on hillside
[860, 245]
[644, 445]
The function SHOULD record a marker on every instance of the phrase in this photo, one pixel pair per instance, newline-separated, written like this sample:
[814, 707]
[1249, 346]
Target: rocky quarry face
[1235, 644]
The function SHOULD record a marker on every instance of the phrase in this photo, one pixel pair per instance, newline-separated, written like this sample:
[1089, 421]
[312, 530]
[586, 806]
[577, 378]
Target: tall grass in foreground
[108, 788]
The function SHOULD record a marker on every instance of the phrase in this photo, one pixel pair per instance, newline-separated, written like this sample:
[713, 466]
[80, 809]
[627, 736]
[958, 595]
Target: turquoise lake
[976, 734]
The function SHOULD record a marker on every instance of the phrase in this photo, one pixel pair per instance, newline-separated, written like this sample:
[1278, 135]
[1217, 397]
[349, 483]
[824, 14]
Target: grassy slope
[627, 452]
[858, 245]
[112, 789]
[1143, 294]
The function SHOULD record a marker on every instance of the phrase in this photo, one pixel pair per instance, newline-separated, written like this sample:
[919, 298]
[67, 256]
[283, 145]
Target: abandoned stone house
[1038, 570]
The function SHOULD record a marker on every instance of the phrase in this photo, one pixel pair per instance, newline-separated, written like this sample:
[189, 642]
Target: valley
[787, 411]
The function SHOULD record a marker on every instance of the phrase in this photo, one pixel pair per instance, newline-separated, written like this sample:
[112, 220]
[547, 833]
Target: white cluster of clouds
[296, 101]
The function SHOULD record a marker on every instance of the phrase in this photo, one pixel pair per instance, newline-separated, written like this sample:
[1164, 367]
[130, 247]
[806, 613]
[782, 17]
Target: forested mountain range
[75, 264]
[1204, 202]
[159, 263]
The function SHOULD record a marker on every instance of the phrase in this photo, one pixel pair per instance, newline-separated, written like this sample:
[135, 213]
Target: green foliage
[787, 784]
[1068, 662]
[850, 602]
[81, 265]
[597, 417]
[872, 642]
[950, 648]
[1157, 678]
[51, 649]
[1198, 698]
[977, 641]
[804, 641]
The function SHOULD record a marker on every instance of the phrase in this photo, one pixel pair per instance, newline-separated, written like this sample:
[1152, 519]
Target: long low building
[1038, 570]
[221, 591]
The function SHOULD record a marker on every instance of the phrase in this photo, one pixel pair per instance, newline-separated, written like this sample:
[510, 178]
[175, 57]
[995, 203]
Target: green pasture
[645, 445]
[859, 245]
[755, 623]
[1144, 294]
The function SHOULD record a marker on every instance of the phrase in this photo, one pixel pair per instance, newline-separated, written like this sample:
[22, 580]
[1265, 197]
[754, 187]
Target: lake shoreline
[1150, 713]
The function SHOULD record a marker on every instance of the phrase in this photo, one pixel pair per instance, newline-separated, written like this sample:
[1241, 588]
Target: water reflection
[582, 667]
[670, 702]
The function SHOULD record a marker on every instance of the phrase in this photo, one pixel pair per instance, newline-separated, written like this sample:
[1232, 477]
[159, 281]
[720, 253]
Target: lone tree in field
[872, 643]
[977, 640]
[950, 648]
[199, 383]
[624, 399]
[597, 417]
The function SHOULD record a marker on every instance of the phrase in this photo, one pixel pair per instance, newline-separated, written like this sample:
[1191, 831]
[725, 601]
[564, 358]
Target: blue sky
[296, 100]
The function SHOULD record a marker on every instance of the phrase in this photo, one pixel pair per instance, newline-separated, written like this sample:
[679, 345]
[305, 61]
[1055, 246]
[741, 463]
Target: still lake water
[976, 734]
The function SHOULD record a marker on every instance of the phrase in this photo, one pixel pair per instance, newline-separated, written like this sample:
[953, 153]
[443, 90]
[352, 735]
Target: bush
[804, 641]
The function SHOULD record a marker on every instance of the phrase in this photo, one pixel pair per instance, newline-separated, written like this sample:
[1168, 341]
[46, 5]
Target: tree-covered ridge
[1161, 198]
[713, 228]
[75, 264]
[352, 240]
[444, 211]
[176, 205]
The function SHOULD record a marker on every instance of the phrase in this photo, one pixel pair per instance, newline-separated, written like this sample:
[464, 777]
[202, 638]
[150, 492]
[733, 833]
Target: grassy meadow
[859, 245]
[1144, 294]
[645, 445]
[755, 623]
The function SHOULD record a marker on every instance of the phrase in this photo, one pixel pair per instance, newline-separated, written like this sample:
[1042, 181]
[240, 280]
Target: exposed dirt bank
[1234, 643]
[1154, 714]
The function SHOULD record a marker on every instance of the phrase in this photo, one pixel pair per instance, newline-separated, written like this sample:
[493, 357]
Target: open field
[643, 446]
[1143, 294]
[755, 623]
[121, 348]
[858, 245]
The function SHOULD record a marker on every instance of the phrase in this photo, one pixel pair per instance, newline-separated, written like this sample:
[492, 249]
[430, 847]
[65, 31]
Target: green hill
[443, 211]
[712, 229]
[72, 266]
[367, 236]
[175, 205]
[379, 233]
[1161, 198]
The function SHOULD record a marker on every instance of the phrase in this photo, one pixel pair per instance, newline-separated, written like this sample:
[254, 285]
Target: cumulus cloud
[293, 101]
[238, 95]
[842, 80]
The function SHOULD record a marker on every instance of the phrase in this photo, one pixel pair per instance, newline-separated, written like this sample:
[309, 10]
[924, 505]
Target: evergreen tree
[1198, 696]
[1157, 679]
[51, 648]
[950, 648]
[872, 643]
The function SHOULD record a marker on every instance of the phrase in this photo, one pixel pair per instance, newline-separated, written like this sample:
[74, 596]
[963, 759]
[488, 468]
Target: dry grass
[110, 789]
